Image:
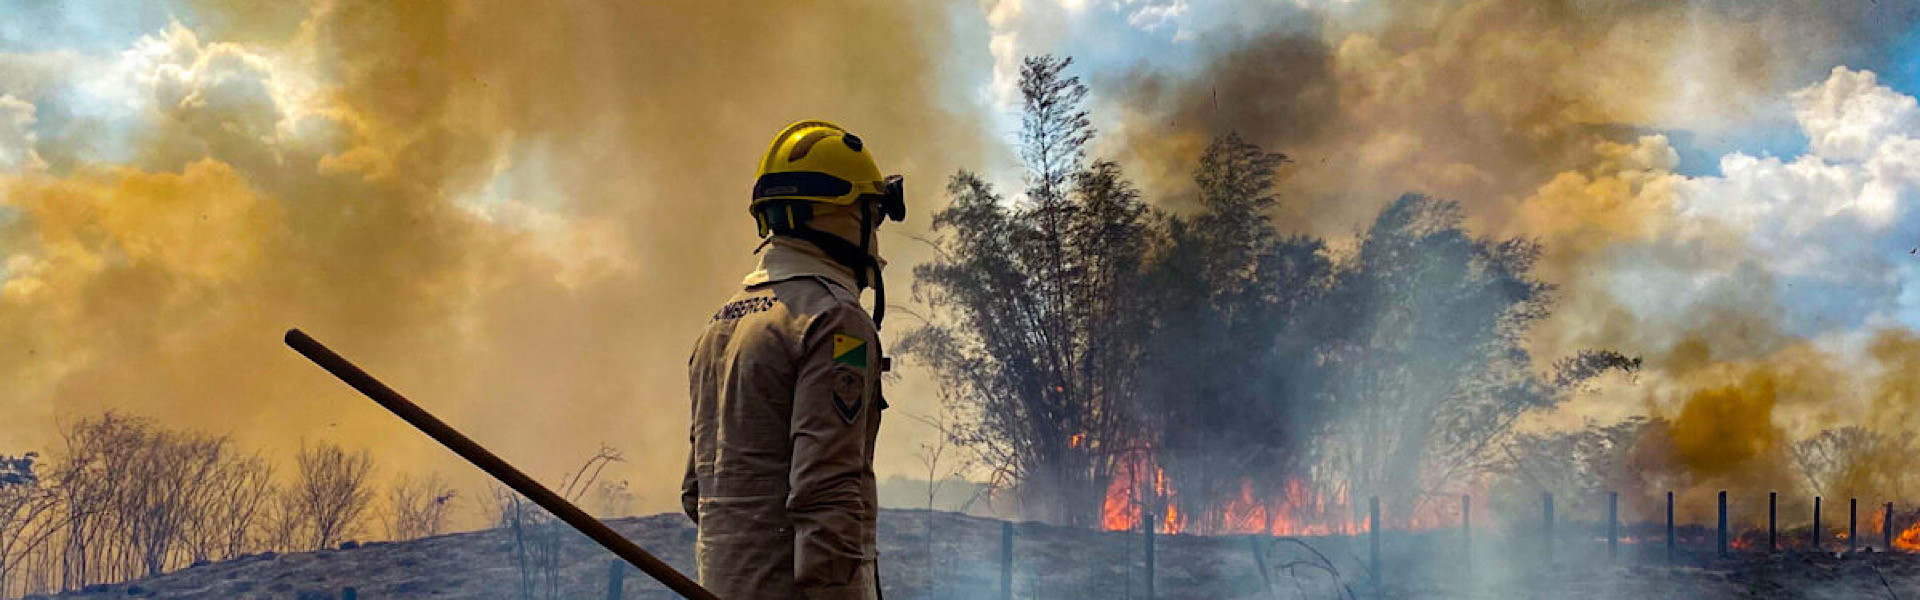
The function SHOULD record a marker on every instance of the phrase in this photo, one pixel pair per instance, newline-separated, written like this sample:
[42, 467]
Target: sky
[522, 217]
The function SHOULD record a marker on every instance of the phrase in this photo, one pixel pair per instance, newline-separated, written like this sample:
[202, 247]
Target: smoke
[519, 218]
[522, 218]
[1767, 293]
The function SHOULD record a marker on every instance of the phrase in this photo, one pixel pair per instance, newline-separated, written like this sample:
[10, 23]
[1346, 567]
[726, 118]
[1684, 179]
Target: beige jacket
[785, 385]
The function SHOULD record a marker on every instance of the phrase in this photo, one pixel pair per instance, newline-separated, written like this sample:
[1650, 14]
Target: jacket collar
[786, 258]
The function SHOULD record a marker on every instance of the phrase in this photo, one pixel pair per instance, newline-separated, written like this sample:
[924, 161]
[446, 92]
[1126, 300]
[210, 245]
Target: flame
[1909, 539]
[1139, 482]
[1076, 440]
[1300, 508]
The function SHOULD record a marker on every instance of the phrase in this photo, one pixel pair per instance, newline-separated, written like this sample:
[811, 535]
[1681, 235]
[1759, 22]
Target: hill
[1055, 562]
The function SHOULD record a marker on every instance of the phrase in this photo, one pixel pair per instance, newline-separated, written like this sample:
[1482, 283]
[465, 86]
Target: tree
[417, 507]
[537, 535]
[24, 506]
[328, 499]
[1424, 343]
[1026, 296]
[1227, 359]
[1850, 461]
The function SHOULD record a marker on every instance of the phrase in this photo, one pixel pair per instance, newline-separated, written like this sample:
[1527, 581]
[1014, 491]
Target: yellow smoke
[521, 218]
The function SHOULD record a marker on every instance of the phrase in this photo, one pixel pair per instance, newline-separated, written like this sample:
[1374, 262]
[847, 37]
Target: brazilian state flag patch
[849, 350]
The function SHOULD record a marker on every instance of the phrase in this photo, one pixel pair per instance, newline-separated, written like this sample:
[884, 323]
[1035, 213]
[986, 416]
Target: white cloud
[1151, 15]
[1850, 116]
[1820, 213]
[1832, 227]
[17, 139]
[1005, 20]
[221, 91]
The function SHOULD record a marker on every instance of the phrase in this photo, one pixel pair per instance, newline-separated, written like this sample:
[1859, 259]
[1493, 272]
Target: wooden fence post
[1773, 538]
[1613, 525]
[1670, 548]
[1006, 560]
[1373, 541]
[1853, 517]
[1257, 542]
[1546, 532]
[1886, 528]
[1815, 544]
[1723, 523]
[1466, 530]
[1149, 529]
[616, 579]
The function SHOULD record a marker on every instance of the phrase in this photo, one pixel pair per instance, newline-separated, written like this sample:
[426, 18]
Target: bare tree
[941, 468]
[614, 498]
[128, 499]
[238, 497]
[1854, 461]
[417, 507]
[327, 500]
[538, 536]
[25, 506]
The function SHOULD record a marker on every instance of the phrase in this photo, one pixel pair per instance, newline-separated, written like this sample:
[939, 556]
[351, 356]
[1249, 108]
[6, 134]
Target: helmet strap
[780, 218]
[866, 253]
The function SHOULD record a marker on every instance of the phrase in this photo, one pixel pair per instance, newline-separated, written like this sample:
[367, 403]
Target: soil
[961, 559]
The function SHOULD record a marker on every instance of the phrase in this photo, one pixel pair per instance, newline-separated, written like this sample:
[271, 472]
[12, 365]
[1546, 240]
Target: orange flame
[1298, 508]
[1909, 539]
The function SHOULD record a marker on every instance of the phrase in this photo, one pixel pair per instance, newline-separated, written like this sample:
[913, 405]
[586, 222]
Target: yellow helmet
[818, 162]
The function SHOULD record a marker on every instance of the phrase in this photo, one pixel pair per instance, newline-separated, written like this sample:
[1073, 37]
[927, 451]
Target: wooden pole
[1670, 548]
[616, 580]
[1546, 531]
[1257, 543]
[1466, 529]
[480, 457]
[1853, 510]
[1613, 525]
[1373, 540]
[1723, 523]
[1815, 545]
[349, 594]
[1886, 529]
[1773, 537]
[1006, 559]
[1149, 528]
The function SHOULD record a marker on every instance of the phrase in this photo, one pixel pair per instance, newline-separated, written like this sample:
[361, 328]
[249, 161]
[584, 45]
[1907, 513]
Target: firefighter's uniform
[785, 389]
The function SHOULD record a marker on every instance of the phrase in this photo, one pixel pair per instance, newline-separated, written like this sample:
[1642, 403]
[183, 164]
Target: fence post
[1816, 525]
[1886, 528]
[1546, 534]
[1723, 523]
[1006, 560]
[1466, 529]
[1373, 540]
[1613, 525]
[349, 594]
[1149, 529]
[1853, 514]
[616, 579]
[1670, 527]
[1254, 542]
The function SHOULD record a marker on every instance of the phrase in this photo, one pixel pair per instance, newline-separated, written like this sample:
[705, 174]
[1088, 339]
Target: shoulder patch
[849, 350]
[849, 392]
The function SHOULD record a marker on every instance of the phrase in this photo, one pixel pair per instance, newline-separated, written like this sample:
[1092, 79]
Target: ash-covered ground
[961, 559]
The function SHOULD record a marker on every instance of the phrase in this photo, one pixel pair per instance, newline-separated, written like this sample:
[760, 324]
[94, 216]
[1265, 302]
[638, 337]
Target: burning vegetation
[1205, 371]
[1116, 363]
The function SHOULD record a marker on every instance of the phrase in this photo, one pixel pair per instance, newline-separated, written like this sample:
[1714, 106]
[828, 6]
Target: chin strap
[857, 257]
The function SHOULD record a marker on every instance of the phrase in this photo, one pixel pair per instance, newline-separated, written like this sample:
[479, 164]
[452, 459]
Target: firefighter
[785, 383]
